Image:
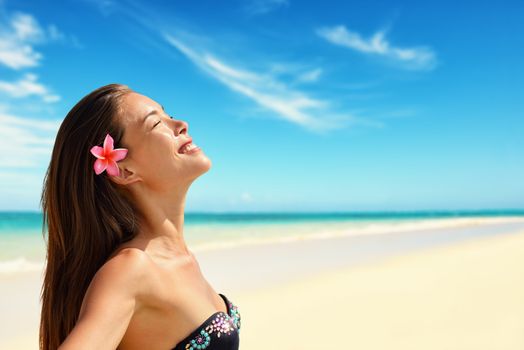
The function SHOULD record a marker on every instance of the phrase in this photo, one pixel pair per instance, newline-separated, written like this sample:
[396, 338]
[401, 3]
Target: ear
[126, 177]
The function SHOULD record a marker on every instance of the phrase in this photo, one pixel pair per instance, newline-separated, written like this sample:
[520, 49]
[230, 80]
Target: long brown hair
[87, 216]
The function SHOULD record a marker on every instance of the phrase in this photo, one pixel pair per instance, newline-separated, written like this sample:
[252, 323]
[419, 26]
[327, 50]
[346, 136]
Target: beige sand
[466, 296]
[20, 311]
[469, 295]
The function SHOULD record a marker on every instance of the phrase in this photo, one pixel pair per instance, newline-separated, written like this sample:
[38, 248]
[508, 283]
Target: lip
[196, 149]
[182, 145]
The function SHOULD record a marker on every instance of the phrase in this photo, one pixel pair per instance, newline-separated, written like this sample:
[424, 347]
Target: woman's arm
[109, 303]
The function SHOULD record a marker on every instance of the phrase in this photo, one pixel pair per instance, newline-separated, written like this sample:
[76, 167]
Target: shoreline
[312, 274]
[23, 264]
[352, 229]
[256, 266]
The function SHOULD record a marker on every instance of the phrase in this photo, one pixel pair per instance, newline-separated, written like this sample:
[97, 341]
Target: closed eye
[158, 122]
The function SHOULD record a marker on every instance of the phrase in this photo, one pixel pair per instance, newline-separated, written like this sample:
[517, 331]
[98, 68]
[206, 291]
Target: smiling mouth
[188, 147]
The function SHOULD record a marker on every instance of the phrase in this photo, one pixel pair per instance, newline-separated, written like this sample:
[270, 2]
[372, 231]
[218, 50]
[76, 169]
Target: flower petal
[112, 168]
[118, 154]
[98, 152]
[100, 165]
[108, 144]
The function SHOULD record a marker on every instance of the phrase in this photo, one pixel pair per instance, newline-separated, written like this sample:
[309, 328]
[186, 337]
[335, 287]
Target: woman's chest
[178, 301]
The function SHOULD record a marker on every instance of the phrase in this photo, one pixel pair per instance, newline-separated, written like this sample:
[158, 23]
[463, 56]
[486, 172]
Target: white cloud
[28, 86]
[260, 7]
[411, 58]
[21, 190]
[25, 142]
[26, 28]
[54, 33]
[17, 55]
[294, 71]
[310, 76]
[18, 38]
[291, 105]
[15, 49]
[269, 91]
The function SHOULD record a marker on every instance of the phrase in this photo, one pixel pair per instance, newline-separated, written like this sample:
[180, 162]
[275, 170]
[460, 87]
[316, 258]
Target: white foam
[374, 228]
[299, 233]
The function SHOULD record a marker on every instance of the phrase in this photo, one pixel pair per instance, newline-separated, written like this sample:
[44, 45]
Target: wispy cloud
[420, 57]
[260, 7]
[273, 89]
[21, 189]
[54, 34]
[25, 142]
[19, 36]
[296, 71]
[28, 86]
[292, 105]
[25, 27]
[16, 50]
[310, 76]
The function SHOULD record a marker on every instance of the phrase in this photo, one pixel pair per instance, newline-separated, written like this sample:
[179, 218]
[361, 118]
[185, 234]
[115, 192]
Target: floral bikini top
[218, 332]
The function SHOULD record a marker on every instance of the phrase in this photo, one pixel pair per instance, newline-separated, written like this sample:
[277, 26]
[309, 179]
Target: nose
[181, 127]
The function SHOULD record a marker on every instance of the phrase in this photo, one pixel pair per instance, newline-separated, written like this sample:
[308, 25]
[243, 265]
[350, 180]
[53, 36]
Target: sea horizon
[22, 240]
[340, 213]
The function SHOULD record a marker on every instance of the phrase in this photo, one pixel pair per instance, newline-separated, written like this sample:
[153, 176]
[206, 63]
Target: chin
[208, 164]
[204, 166]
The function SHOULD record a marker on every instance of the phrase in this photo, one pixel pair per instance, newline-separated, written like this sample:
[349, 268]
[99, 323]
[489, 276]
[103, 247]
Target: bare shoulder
[132, 260]
[111, 299]
[128, 264]
[125, 273]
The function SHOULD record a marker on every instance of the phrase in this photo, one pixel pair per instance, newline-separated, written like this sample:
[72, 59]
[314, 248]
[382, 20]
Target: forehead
[136, 106]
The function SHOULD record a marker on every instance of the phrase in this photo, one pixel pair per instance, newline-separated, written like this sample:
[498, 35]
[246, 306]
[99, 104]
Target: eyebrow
[154, 111]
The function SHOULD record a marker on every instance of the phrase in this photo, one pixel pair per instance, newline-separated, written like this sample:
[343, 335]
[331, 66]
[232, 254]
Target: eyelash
[158, 122]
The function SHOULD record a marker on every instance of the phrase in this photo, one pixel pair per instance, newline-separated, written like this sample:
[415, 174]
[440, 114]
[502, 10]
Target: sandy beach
[449, 288]
[465, 296]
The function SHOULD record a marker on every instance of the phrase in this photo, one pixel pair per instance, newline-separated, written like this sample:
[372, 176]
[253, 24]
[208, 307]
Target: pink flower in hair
[107, 157]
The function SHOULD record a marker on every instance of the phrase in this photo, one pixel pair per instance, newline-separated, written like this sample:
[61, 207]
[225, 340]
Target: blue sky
[301, 105]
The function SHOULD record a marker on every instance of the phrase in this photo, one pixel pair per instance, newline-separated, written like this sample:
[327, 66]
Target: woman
[119, 273]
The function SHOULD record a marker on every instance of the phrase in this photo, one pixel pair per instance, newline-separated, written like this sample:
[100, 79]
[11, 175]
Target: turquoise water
[28, 222]
[21, 239]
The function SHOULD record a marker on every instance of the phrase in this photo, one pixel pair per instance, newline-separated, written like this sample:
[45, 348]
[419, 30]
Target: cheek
[156, 159]
[157, 155]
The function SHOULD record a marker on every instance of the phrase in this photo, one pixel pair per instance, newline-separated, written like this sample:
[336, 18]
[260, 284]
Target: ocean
[22, 244]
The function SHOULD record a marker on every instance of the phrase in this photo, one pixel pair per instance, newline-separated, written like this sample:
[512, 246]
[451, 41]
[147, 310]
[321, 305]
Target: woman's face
[155, 145]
